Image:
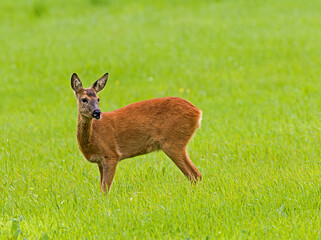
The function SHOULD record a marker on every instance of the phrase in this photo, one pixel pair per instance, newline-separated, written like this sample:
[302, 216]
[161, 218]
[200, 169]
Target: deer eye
[98, 100]
[84, 100]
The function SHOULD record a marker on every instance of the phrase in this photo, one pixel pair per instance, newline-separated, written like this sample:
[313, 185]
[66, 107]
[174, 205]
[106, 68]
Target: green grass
[253, 67]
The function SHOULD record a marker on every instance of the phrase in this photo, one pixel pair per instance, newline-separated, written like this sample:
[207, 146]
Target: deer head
[87, 99]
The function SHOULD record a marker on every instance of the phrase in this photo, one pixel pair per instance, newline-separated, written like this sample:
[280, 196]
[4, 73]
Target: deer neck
[84, 132]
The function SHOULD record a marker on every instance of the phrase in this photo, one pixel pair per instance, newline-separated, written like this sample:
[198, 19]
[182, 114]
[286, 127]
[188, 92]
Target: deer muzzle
[96, 114]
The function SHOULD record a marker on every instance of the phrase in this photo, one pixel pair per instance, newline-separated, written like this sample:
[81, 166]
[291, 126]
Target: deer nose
[96, 114]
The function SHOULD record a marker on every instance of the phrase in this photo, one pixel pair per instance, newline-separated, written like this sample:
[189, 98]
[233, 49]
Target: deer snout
[96, 114]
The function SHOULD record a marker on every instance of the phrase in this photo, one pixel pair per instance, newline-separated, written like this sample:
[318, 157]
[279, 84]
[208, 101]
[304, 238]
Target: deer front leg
[108, 173]
[100, 166]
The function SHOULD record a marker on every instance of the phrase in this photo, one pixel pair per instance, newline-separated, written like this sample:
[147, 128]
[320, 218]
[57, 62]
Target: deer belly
[136, 146]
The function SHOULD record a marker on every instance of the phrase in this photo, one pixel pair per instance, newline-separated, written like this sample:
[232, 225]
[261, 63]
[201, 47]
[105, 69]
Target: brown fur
[139, 128]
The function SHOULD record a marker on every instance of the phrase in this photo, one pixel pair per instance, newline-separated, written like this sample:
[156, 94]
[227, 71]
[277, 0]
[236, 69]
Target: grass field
[253, 67]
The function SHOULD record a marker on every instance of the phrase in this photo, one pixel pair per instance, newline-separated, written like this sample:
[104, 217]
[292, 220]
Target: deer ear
[76, 83]
[100, 83]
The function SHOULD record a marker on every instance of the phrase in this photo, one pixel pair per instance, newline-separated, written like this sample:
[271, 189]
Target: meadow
[253, 67]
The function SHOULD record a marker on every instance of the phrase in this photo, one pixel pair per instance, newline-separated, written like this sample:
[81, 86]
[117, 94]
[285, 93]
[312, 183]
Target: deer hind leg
[183, 162]
[108, 173]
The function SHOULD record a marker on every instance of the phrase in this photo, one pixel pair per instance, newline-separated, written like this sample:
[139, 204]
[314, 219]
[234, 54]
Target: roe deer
[157, 124]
